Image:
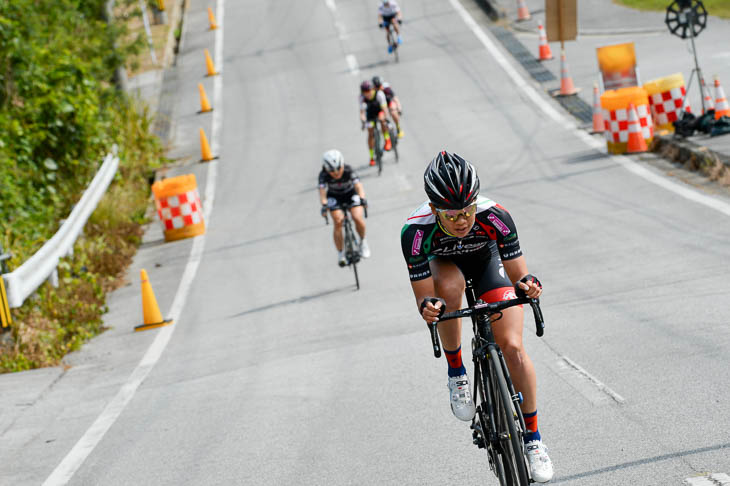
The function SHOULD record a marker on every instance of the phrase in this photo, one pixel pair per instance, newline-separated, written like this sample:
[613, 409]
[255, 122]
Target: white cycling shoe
[541, 467]
[461, 403]
[341, 260]
[364, 248]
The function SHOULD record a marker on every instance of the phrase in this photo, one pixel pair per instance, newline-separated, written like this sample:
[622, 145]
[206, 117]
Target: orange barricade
[179, 208]
[667, 100]
[615, 104]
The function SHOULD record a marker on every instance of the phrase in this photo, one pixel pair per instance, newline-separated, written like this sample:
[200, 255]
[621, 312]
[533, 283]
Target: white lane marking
[571, 126]
[352, 62]
[714, 479]
[63, 473]
[331, 5]
[618, 398]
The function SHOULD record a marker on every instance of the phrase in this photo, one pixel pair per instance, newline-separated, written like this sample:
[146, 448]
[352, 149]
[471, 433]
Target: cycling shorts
[339, 201]
[490, 281]
[387, 19]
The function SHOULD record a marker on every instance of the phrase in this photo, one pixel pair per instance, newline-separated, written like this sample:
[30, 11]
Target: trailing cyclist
[389, 14]
[393, 102]
[339, 186]
[373, 106]
[458, 235]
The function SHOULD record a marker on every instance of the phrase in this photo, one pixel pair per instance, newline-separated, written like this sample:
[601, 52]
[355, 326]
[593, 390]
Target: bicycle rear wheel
[378, 149]
[507, 426]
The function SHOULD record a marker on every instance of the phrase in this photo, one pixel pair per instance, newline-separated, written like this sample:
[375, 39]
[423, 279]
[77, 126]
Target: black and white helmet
[332, 160]
[451, 182]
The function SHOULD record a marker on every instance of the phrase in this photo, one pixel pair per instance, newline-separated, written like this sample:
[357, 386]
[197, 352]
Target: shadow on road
[640, 462]
[296, 300]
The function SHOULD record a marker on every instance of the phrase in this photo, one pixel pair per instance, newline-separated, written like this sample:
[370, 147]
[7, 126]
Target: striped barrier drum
[667, 100]
[615, 106]
[179, 208]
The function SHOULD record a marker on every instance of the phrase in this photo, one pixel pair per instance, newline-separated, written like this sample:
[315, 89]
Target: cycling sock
[532, 432]
[387, 135]
[372, 154]
[456, 366]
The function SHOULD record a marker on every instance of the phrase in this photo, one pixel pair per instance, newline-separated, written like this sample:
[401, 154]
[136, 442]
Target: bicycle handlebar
[487, 308]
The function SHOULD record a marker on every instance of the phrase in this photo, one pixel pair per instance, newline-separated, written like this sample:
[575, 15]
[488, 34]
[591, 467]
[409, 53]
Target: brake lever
[539, 321]
[433, 329]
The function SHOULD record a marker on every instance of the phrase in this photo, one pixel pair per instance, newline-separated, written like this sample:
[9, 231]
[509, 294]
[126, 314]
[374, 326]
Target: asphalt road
[279, 372]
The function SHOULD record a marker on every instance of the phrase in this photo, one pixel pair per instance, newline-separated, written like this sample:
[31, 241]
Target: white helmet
[332, 160]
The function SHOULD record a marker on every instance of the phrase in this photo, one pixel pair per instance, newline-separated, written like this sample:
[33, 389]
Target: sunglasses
[453, 214]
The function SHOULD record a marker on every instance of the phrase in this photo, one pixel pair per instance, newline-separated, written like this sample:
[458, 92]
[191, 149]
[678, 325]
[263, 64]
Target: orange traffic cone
[204, 105]
[211, 19]
[150, 309]
[709, 102]
[636, 137]
[209, 64]
[598, 124]
[206, 154]
[566, 82]
[721, 105]
[522, 12]
[544, 49]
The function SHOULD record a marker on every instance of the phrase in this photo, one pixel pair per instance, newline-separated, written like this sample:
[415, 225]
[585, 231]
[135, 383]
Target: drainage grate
[522, 55]
[573, 104]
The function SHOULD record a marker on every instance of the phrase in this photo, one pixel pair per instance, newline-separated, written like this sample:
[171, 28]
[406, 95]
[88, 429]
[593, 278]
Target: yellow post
[4, 308]
[161, 5]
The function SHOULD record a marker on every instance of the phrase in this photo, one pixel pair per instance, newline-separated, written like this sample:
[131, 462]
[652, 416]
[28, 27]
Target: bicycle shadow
[297, 300]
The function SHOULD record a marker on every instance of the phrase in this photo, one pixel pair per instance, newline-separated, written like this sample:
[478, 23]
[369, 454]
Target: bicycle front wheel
[507, 424]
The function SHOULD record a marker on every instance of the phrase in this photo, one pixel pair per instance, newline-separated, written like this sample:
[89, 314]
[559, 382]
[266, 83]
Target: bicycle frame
[490, 401]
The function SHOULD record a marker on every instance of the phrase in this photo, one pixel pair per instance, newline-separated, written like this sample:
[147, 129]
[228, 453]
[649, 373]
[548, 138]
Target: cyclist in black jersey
[394, 105]
[457, 234]
[373, 106]
[339, 186]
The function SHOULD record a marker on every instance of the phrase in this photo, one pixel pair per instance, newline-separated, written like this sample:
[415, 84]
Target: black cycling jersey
[493, 233]
[339, 187]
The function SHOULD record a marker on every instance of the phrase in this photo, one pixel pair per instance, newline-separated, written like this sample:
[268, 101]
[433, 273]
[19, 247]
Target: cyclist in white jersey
[388, 12]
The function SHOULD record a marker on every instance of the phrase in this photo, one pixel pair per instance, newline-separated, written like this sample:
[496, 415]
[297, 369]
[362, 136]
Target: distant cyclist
[373, 106]
[457, 234]
[393, 101]
[339, 186]
[389, 13]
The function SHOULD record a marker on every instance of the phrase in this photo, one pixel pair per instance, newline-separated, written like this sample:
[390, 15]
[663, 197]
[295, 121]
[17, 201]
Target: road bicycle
[351, 243]
[392, 40]
[498, 425]
[380, 141]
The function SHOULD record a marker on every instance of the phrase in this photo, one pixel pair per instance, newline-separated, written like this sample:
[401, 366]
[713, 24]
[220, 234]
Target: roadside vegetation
[60, 113]
[718, 8]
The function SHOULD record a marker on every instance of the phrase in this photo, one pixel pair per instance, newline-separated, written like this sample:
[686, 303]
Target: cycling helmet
[332, 160]
[451, 182]
[365, 86]
[377, 81]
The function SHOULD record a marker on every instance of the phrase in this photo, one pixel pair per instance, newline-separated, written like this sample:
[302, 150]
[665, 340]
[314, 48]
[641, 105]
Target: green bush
[60, 113]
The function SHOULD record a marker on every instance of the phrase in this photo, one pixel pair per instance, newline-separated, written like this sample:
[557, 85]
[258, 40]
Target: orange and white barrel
[667, 98]
[615, 105]
[179, 208]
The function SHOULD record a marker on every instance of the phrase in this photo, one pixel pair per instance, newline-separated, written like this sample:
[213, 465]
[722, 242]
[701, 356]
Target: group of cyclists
[455, 235]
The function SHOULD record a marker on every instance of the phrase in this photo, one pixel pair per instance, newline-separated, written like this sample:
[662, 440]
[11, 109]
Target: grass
[718, 8]
[56, 321]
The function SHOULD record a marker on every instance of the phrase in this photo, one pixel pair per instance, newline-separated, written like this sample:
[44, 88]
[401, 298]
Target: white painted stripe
[618, 398]
[352, 62]
[63, 473]
[714, 479]
[571, 126]
[331, 5]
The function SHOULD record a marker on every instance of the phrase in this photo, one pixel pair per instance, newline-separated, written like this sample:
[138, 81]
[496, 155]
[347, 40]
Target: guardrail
[23, 281]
